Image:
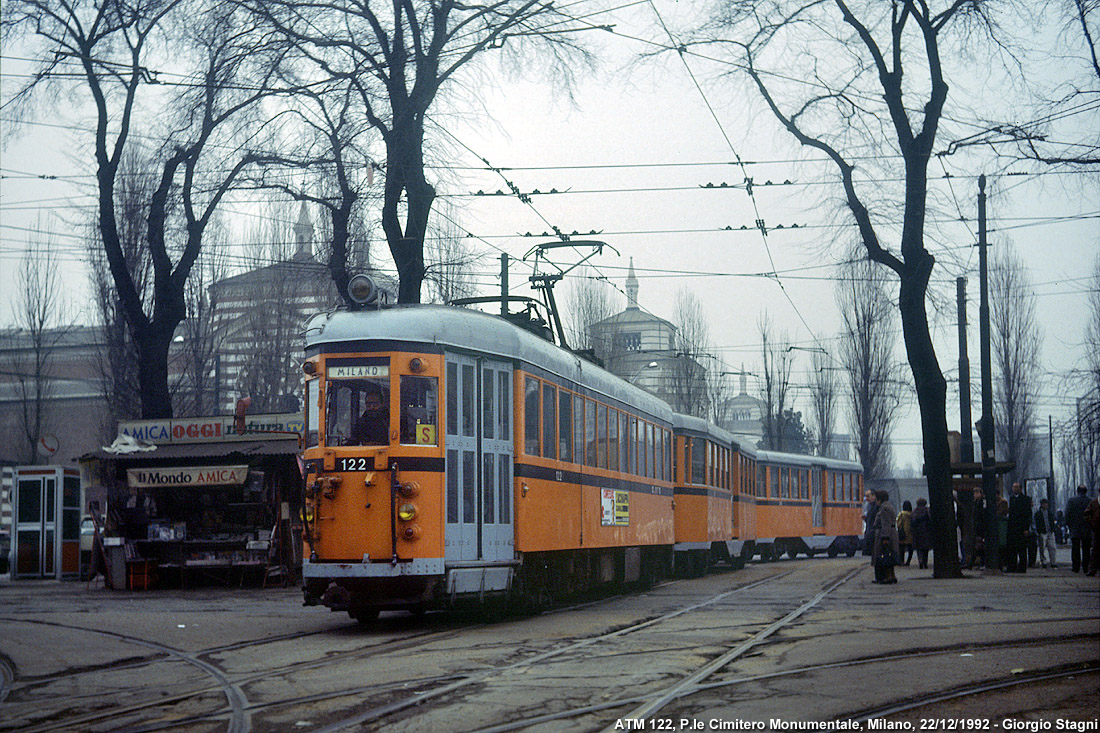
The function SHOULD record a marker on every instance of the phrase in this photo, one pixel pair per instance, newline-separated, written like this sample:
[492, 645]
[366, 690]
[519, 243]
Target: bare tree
[884, 89]
[333, 159]
[202, 339]
[39, 316]
[775, 386]
[449, 261]
[265, 337]
[591, 300]
[1088, 407]
[117, 355]
[687, 375]
[867, 352]
[823, 402]
[1057, 136]
[1016, 346]
[106, 49]
[397, 59]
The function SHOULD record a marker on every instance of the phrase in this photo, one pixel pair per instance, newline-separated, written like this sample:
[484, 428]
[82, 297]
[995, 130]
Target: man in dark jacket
[1080, 534]
[1019, 527]
[1044, 528]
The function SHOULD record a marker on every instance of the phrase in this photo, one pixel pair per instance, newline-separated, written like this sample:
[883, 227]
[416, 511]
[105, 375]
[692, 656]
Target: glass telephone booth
[46, 507]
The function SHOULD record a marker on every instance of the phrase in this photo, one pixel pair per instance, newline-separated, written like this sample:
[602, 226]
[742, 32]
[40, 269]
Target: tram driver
[373, 425]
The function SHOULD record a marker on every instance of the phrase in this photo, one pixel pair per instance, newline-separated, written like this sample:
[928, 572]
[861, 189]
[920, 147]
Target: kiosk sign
[213, 429]
[148, 478]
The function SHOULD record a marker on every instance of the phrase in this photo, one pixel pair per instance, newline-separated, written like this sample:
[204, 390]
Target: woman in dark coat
[922, 532]
[886, 540]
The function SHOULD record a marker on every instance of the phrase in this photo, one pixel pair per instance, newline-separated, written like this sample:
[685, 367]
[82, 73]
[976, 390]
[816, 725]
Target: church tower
[631, 287]
[303, 235]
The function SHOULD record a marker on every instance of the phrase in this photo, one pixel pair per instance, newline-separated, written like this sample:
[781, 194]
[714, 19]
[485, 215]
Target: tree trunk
[153, 345]
[405, 175]
[932, 400]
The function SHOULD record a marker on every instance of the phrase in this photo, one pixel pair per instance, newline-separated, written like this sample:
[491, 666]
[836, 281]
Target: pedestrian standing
[979, 531]
[1092, 516]
[1044, 531]
[1080, 534]
[921, 524]
[885, 555]
[905, 534]
[1019, 527]
[1002, 532]
[870, 508]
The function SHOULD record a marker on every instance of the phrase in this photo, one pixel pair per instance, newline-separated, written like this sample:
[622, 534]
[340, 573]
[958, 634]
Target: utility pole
[1050, 453]
[964, 495]
[966, 444]
[985, 425]
[504, 284]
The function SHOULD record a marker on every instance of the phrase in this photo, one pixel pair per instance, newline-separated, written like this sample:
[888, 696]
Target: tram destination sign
[150, 478]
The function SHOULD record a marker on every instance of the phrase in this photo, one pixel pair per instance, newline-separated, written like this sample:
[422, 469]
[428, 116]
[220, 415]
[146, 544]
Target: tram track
[893, 708]
[238, 715]
[228, 683]
[239, 708]
[480, 676]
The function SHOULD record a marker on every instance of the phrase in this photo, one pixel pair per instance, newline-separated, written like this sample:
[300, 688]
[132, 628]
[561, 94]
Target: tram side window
[590, 433]
[505, 406]
[601, 435]
[549, 421]
[313, 412]
[661, 463]
[578, 429]
[531, 416]
[647, 450]
[613, 457]
[469, 401]
[565, 426]
[698, 460]
[488, 413]
[419, 410]
[624, 443]
[635, 446]
[452, 399]
[358, 412]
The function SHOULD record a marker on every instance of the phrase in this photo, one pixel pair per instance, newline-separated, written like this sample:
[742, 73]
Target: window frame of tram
[357, 378]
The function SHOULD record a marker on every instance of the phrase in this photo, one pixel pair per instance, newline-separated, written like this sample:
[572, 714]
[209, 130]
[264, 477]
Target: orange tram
[453, 455]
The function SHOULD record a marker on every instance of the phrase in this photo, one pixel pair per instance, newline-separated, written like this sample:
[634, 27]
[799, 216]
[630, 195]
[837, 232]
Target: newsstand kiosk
[192, 502]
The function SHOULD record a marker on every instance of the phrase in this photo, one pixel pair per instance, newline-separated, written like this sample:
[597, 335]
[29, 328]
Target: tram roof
[438, 327]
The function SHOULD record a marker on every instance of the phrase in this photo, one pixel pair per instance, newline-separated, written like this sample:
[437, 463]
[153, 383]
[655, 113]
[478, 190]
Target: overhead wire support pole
[965, 494]
[985, 425]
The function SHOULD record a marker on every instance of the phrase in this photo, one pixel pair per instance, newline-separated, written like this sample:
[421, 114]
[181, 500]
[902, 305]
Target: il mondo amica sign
[147, 478]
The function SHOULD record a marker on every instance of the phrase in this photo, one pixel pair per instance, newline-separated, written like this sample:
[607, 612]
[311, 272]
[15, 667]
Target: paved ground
[69, 652]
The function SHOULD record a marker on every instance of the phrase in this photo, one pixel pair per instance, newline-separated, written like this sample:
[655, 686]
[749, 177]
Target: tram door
[817, 498]
[479, 460]
[46, 511]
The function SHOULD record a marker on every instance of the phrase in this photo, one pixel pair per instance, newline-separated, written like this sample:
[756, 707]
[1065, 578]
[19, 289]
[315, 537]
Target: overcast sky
[635, 151]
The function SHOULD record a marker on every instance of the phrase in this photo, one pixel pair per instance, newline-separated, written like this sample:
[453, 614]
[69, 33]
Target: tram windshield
[358, 412]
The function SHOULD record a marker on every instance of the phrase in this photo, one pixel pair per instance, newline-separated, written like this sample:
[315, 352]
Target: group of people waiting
[1024, 536]
[892, 537]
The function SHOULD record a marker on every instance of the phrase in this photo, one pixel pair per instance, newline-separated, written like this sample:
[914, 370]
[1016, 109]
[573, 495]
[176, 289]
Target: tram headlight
[307, 513]
[416, 365]
[362, 290]
[409, 489]
[407, 512]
